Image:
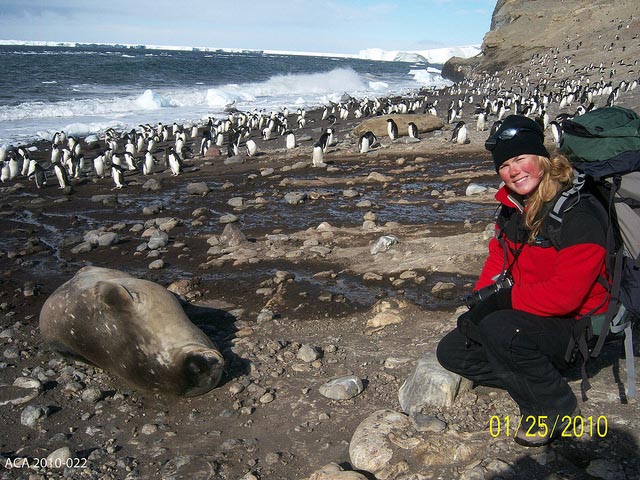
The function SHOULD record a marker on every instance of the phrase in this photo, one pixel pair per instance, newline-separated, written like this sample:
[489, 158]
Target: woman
[516, 338]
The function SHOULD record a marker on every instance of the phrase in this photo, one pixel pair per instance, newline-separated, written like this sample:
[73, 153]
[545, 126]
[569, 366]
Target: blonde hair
[557, 173]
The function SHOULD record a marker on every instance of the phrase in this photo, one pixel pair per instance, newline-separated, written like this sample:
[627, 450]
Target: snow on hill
[437, 55]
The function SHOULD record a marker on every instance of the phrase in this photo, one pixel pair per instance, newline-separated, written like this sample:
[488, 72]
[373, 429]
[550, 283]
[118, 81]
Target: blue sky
[332, 26]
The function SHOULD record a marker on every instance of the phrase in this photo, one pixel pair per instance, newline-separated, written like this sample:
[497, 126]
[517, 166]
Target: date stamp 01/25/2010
[566, 426]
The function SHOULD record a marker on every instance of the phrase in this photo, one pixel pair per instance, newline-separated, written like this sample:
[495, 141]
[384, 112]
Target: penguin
[266, 133]
[98, 165]
[252, 148]
[323, 141]
[117, 173]
[452, 114]
[61, 174]
[205, 143]
[318, 155]
[392, 129]
[290, 139]
[77, 165]
[459, 134]
[5, 172]
[556, 132]
[412, 130]
[55, 153]
[14, 165]
[149, 163]
[481, 123]
[332, 119]
[38, 173]
[130, 161]
[332, 140]
[367, 141]
[26, 159]
[175, 162]
[495, 127]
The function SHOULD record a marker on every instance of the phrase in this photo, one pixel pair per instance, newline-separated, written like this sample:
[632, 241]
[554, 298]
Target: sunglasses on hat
[506, 134]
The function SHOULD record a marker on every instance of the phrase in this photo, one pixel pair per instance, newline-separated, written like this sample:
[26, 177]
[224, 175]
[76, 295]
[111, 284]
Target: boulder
[378, 125]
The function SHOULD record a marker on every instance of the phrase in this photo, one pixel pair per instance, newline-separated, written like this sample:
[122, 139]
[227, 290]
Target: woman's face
[521, 174]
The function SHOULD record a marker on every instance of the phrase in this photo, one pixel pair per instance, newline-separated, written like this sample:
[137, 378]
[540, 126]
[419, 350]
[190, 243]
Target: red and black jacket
[550, 281]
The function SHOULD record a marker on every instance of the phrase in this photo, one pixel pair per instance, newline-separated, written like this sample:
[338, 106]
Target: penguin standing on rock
[392, 129]
[459, 134]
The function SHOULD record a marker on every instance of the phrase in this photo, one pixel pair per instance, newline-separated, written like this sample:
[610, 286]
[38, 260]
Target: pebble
[59, 458]
[228, 218]
[92, 395]
[156, 265]
[267, 398]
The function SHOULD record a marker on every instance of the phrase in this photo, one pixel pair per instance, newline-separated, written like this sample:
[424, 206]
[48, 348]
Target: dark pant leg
[525, 352]
[468, 359]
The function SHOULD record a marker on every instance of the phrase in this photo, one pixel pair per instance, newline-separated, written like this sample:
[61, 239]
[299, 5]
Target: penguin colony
[549, 82]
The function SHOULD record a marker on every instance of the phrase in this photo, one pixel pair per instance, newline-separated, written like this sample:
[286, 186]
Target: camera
[482, 294]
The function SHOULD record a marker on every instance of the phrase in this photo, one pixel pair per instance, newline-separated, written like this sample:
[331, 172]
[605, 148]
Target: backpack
[603, 145]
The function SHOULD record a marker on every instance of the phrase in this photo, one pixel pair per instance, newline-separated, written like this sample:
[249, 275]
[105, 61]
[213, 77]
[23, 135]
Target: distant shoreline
[436, 56]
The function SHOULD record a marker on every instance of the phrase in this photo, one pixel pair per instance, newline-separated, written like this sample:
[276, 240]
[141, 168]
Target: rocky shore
[325, 288]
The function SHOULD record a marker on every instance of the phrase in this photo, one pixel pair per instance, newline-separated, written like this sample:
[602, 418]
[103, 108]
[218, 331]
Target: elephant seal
[133, 328]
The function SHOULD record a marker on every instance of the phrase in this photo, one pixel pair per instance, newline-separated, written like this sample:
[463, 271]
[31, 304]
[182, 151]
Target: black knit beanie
[529, 140]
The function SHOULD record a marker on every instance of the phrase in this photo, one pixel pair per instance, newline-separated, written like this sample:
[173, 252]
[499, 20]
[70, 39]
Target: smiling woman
[531, 292]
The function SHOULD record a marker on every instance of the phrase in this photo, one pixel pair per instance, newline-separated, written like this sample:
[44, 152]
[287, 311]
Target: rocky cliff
[574, 33]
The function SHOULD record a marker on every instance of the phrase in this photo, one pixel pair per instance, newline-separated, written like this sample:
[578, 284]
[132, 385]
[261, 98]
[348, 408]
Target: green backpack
[604, 147]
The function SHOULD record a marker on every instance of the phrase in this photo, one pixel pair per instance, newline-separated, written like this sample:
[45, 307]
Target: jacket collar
[510, 199]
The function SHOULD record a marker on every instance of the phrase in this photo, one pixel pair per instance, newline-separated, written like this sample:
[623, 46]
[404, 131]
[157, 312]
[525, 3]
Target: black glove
[468, 322]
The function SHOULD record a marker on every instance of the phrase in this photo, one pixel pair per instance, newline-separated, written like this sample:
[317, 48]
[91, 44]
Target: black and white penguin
[290, 139]
[98, 165]
[61, 175]
[367, 141]
[332, 119]
[452, 114]
[556, 132]
[392, 129]
[149, 163]
[459, 134]
[481, 122]
[412, 130]
[5, 172]
[318, 155]
[205, 143]
[14, 165]
[175, 162]
[130, 161]
[495, 127]
[323, 141]
[38, 173]
[252, 148]
[117, 173]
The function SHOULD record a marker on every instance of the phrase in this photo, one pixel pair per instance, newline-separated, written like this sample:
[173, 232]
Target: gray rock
[232, 236]
[31, 415]
[294, 198]
[236, 202]
[198, 188]
[605, 469]
[107, 239]
[84, 247]
[152, 185]
[108, 199]
[59, 458]
[92, 395]
[383, 244]
[228, 218]
[474, 189]
[159, 239]
[370, 448]
[156, 265]
[427, 423]
[308, 353]
[342, 388]
[429, 385]
[350, 193]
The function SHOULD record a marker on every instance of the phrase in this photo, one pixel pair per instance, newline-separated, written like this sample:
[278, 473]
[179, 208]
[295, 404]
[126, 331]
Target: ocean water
[85, 90]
